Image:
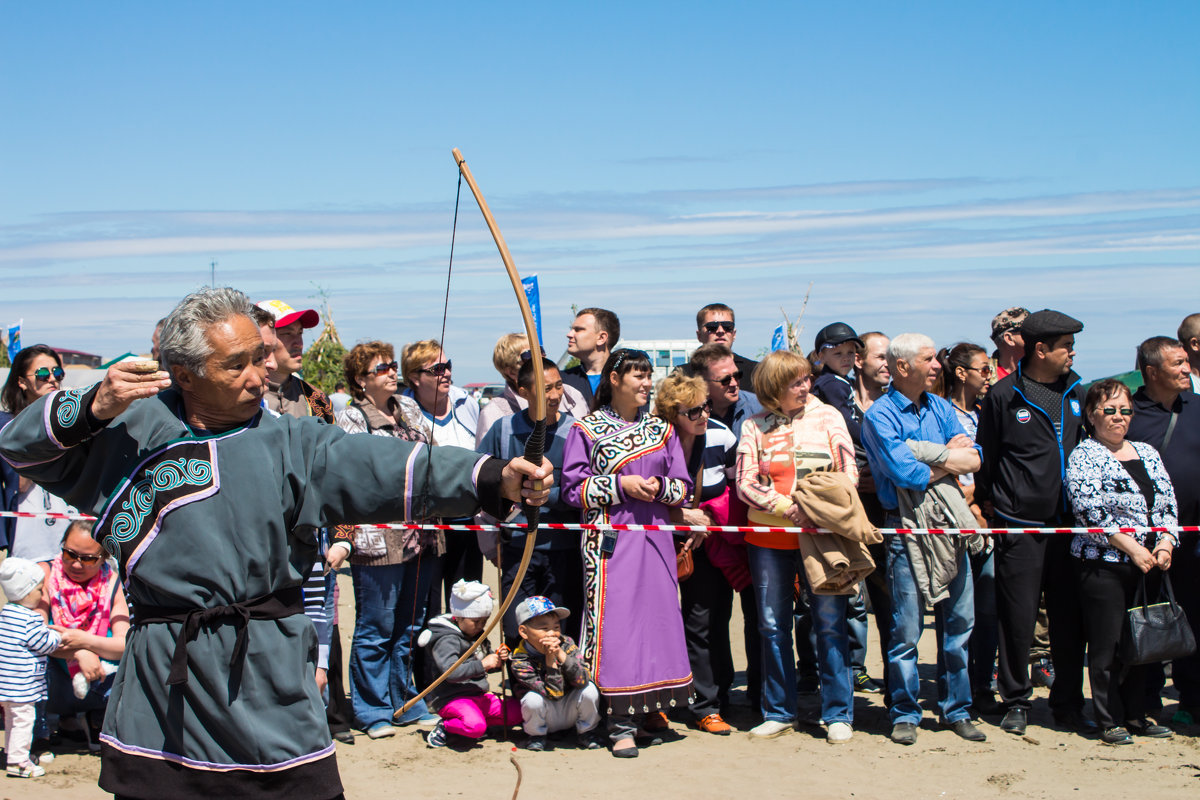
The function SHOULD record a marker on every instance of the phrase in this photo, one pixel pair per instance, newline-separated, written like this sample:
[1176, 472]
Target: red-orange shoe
[714, 724]
[655, 721]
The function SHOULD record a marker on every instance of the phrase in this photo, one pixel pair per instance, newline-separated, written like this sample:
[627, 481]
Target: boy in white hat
[464, 701]
[551, 679]
[25, 641]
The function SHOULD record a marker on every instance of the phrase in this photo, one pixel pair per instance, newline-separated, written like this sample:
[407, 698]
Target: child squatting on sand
[550, 678]
[25, 641]
[463, 700]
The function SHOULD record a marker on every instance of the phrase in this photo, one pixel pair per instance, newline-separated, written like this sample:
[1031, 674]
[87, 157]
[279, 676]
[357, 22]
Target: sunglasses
[385, 366]
[733, 376]
[694, 413]
[44, 373]
[82, 558]
[1110, 411]
[440, 368]
[713, 327]
[985, 370]
[528, 354]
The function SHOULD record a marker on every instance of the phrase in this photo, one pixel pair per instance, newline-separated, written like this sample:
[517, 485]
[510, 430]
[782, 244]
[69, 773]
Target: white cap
[470, 600]
[19, 577]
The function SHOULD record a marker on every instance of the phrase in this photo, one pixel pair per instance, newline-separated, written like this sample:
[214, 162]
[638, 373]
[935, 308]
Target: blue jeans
[955, 617]
[774, 573]
[390, 607]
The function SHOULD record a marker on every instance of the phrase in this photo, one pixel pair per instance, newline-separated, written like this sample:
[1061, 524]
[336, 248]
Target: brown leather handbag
[684, 566]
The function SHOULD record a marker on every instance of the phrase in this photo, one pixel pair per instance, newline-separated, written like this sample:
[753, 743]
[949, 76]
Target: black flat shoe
[1116, 735]
[1148, 728]
[967, 730]
[1014, 722]
[1077, 722]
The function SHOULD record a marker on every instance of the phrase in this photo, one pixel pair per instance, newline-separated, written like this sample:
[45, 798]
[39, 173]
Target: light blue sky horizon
[924, 165]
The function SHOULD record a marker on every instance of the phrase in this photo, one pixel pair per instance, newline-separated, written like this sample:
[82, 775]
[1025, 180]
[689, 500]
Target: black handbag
[1158, 632]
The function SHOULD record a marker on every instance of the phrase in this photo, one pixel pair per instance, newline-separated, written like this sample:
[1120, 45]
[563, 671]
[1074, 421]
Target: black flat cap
[836, 333]
[1047, 323]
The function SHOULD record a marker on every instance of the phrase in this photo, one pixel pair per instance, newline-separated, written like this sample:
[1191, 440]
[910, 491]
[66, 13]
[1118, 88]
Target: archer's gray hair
[906, 347]
[184, 340]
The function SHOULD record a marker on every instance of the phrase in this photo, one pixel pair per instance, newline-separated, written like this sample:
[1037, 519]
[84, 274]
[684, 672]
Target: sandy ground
[1045, 764]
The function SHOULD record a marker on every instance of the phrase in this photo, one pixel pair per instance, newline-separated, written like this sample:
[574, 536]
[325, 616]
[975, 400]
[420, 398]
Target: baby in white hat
[25, 641]
[464, 701]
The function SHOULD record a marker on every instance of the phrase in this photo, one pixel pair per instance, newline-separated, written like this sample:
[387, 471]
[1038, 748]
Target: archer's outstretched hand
[125, 382]
[519, 477]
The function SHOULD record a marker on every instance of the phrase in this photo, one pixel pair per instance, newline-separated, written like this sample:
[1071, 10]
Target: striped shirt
[718, 458]
[25, 641]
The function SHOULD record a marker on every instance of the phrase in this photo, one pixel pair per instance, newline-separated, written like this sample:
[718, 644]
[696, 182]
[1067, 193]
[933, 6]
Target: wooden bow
[534, 446]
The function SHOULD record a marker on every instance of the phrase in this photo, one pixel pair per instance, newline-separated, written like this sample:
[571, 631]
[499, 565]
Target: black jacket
[577, 376]
[1024, 461]
[446, 642]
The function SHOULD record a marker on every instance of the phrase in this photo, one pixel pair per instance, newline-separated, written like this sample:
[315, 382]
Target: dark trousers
[462, 560]
[1107, 590]
[556, 574]
[338, 712]
[981, 649]
[707, 605]
[1185, 580]
[1025, 563]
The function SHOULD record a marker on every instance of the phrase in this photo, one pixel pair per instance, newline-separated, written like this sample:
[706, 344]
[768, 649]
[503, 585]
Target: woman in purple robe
[624, 466]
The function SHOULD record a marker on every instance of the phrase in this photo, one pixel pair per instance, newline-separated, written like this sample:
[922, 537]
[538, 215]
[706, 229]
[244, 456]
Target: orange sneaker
[714, 724]
[655, 721]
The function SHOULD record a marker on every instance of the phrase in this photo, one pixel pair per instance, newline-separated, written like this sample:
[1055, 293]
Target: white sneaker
[380, 730]
[770, 729]
[839, 733]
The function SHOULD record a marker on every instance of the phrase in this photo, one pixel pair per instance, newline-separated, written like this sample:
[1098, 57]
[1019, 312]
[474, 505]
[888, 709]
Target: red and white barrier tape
[562, 526]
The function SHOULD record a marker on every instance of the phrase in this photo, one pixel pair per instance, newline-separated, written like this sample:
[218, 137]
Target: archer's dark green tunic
[201, 520]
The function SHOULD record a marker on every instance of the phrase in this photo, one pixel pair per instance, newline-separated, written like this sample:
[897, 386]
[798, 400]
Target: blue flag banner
[530, 285]
[778, 340]
[14, 341]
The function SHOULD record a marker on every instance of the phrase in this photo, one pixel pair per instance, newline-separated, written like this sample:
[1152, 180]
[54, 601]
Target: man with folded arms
[910, 412]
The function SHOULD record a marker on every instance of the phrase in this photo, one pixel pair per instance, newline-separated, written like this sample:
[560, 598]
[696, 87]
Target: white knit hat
[19, 577]
[470, 600]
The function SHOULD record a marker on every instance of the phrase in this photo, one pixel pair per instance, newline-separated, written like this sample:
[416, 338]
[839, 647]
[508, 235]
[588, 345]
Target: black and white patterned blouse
[1105, 495]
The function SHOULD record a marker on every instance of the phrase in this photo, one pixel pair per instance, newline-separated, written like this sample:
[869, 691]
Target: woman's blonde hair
[775, 374]
[506, 357]
[677, 392]
[414, 357]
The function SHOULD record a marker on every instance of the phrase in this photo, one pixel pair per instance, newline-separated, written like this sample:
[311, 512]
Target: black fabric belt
[277, 605]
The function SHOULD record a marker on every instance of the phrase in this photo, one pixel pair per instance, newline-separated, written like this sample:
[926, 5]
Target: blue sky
[924, 165]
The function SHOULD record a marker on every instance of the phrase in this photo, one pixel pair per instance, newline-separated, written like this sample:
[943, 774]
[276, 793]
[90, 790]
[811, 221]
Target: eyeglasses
[733, 376]
[713, 327]
[1110, 411]
[385, 366]
[44, 373]
[695, 413]
[528, 354]
[82, 558]
[440, 368]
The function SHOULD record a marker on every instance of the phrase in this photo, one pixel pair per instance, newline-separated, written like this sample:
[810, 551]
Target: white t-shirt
[39, 539]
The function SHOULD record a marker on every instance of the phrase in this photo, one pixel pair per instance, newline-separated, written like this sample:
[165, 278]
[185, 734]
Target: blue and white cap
[536, 606]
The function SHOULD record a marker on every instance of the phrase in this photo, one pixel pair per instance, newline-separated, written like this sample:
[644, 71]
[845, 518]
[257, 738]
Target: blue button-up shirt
[891, 421]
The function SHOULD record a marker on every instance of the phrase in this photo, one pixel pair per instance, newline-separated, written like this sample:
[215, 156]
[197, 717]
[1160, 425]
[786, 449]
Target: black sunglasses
[440, 368]
[44, 373]
[1109, 411]
[713, 327]
[385, 366]
[528, 354]
[82, 558]
[694, 413]
[733, 376]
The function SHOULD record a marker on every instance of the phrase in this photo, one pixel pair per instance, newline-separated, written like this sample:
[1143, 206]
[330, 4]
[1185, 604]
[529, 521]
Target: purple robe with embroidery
[632, 626]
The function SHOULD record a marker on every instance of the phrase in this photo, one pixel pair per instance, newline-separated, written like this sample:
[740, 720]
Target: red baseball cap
[285, 315]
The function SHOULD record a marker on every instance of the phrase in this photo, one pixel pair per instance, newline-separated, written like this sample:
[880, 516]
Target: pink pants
[470, 716]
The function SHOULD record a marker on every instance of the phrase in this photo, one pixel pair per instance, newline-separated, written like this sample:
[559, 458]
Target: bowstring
[424, 505]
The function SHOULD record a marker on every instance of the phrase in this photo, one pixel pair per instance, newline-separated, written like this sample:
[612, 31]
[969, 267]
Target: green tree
[322, 362]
